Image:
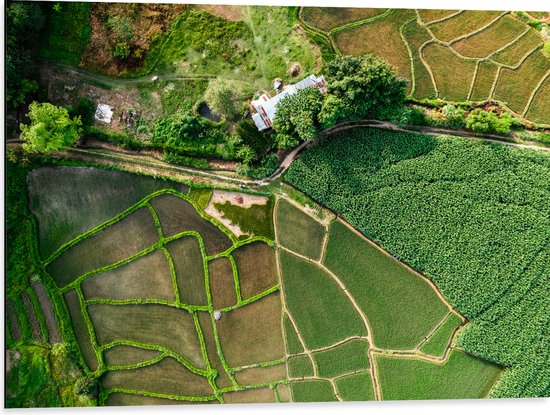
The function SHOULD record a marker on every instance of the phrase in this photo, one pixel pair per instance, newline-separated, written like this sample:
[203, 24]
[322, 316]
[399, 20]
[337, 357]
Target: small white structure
[266, 107]
[217, 315]
[104, 113]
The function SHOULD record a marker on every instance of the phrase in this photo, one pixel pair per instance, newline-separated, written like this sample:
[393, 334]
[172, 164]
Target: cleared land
[259, 375]
[127, 237]
[252, 334]
[298, 231]
[84, 204]
[462, 24]
[257, 268]
[177, 215]
[222, 283]
[125, 355]
[462, 377]
[146, 277]
[427, 15]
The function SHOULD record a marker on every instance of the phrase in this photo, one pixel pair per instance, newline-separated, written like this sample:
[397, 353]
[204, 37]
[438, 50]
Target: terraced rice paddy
[457, 55]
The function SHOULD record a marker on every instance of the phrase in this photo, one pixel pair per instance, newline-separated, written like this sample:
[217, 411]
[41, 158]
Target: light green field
[346, 358]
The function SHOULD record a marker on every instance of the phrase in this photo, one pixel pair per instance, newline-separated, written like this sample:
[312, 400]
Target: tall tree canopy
[359, 87]
[51, 128]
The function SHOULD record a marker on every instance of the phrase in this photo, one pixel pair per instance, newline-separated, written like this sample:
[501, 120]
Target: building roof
[266, 107]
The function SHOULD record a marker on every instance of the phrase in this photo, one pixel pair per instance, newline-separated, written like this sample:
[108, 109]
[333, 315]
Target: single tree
[225, 98]
[51, 128]
[361, 86]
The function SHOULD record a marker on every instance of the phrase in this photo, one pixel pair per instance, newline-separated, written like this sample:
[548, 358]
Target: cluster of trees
[25, 21]
[358, 87]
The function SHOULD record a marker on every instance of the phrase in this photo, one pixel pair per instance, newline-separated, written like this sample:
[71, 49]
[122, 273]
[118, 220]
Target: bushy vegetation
[225, 98]
[25, 21]
[472, 217]
[482, 121]
[51, 129]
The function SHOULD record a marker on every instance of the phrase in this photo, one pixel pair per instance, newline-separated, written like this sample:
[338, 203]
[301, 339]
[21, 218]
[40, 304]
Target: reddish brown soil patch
[224, 11]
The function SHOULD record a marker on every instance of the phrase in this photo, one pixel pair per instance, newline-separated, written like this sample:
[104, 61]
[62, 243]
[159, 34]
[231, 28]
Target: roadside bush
[454, 117]
[121, 51]
[482, 121]
[411, 116]
[264, 168]
[248, 134]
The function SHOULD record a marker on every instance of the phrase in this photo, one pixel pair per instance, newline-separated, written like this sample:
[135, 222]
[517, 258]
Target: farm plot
[454, 55]
[350, 306]
[328, 18]
[143, 308]
[471, 217]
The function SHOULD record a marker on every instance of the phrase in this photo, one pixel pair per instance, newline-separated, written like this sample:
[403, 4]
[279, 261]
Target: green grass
[400, 306]
[472, 217]
[67, 33]
[437, 343]
[201, 196]
[299, 366]
[356, 387]
[320, 309]
[181, 96]
[256, 219]
[84, 204]
[462, 377]
[415, 35]
[346, 358]
[292, 340]
[298, 231]
[312, 391]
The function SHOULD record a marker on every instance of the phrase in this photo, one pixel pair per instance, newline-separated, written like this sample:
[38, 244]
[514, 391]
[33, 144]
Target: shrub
[482, 121]
[122, 51]
[265, 168]
[225, 98]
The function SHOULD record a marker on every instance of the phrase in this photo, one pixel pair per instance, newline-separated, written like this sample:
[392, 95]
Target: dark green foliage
[225, 98]
[25, 21]
[85, 109]
[258, 170]
[260, 142]
[187, 161]
[364, 86]
[114, 137]
[473, 217]
[482, 121]
[67, 32]
[297, 117]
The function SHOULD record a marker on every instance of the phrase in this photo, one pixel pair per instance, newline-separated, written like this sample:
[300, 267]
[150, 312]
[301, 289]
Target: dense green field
[473, 217]
[444, 52]
[461, 377]
[378, 283]
[298, 231]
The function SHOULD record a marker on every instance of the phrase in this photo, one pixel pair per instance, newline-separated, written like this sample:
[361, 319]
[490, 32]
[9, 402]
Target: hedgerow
[473, 217]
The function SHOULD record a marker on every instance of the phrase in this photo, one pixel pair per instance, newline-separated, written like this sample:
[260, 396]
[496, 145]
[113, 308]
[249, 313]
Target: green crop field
[437, 343]
[322, 312]
[300, 366]
[312, 391]
[472, 217]
[346, 358]
[298, 231]
[461, 377]
[356, 387]
[377, 281]
[141, 288]
[456, 55]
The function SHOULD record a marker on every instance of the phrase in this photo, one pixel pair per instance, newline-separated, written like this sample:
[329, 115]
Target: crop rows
[453, 55]
[471, 217]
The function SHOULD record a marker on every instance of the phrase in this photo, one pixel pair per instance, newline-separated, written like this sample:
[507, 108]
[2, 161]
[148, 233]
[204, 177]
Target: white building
[266, 107]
